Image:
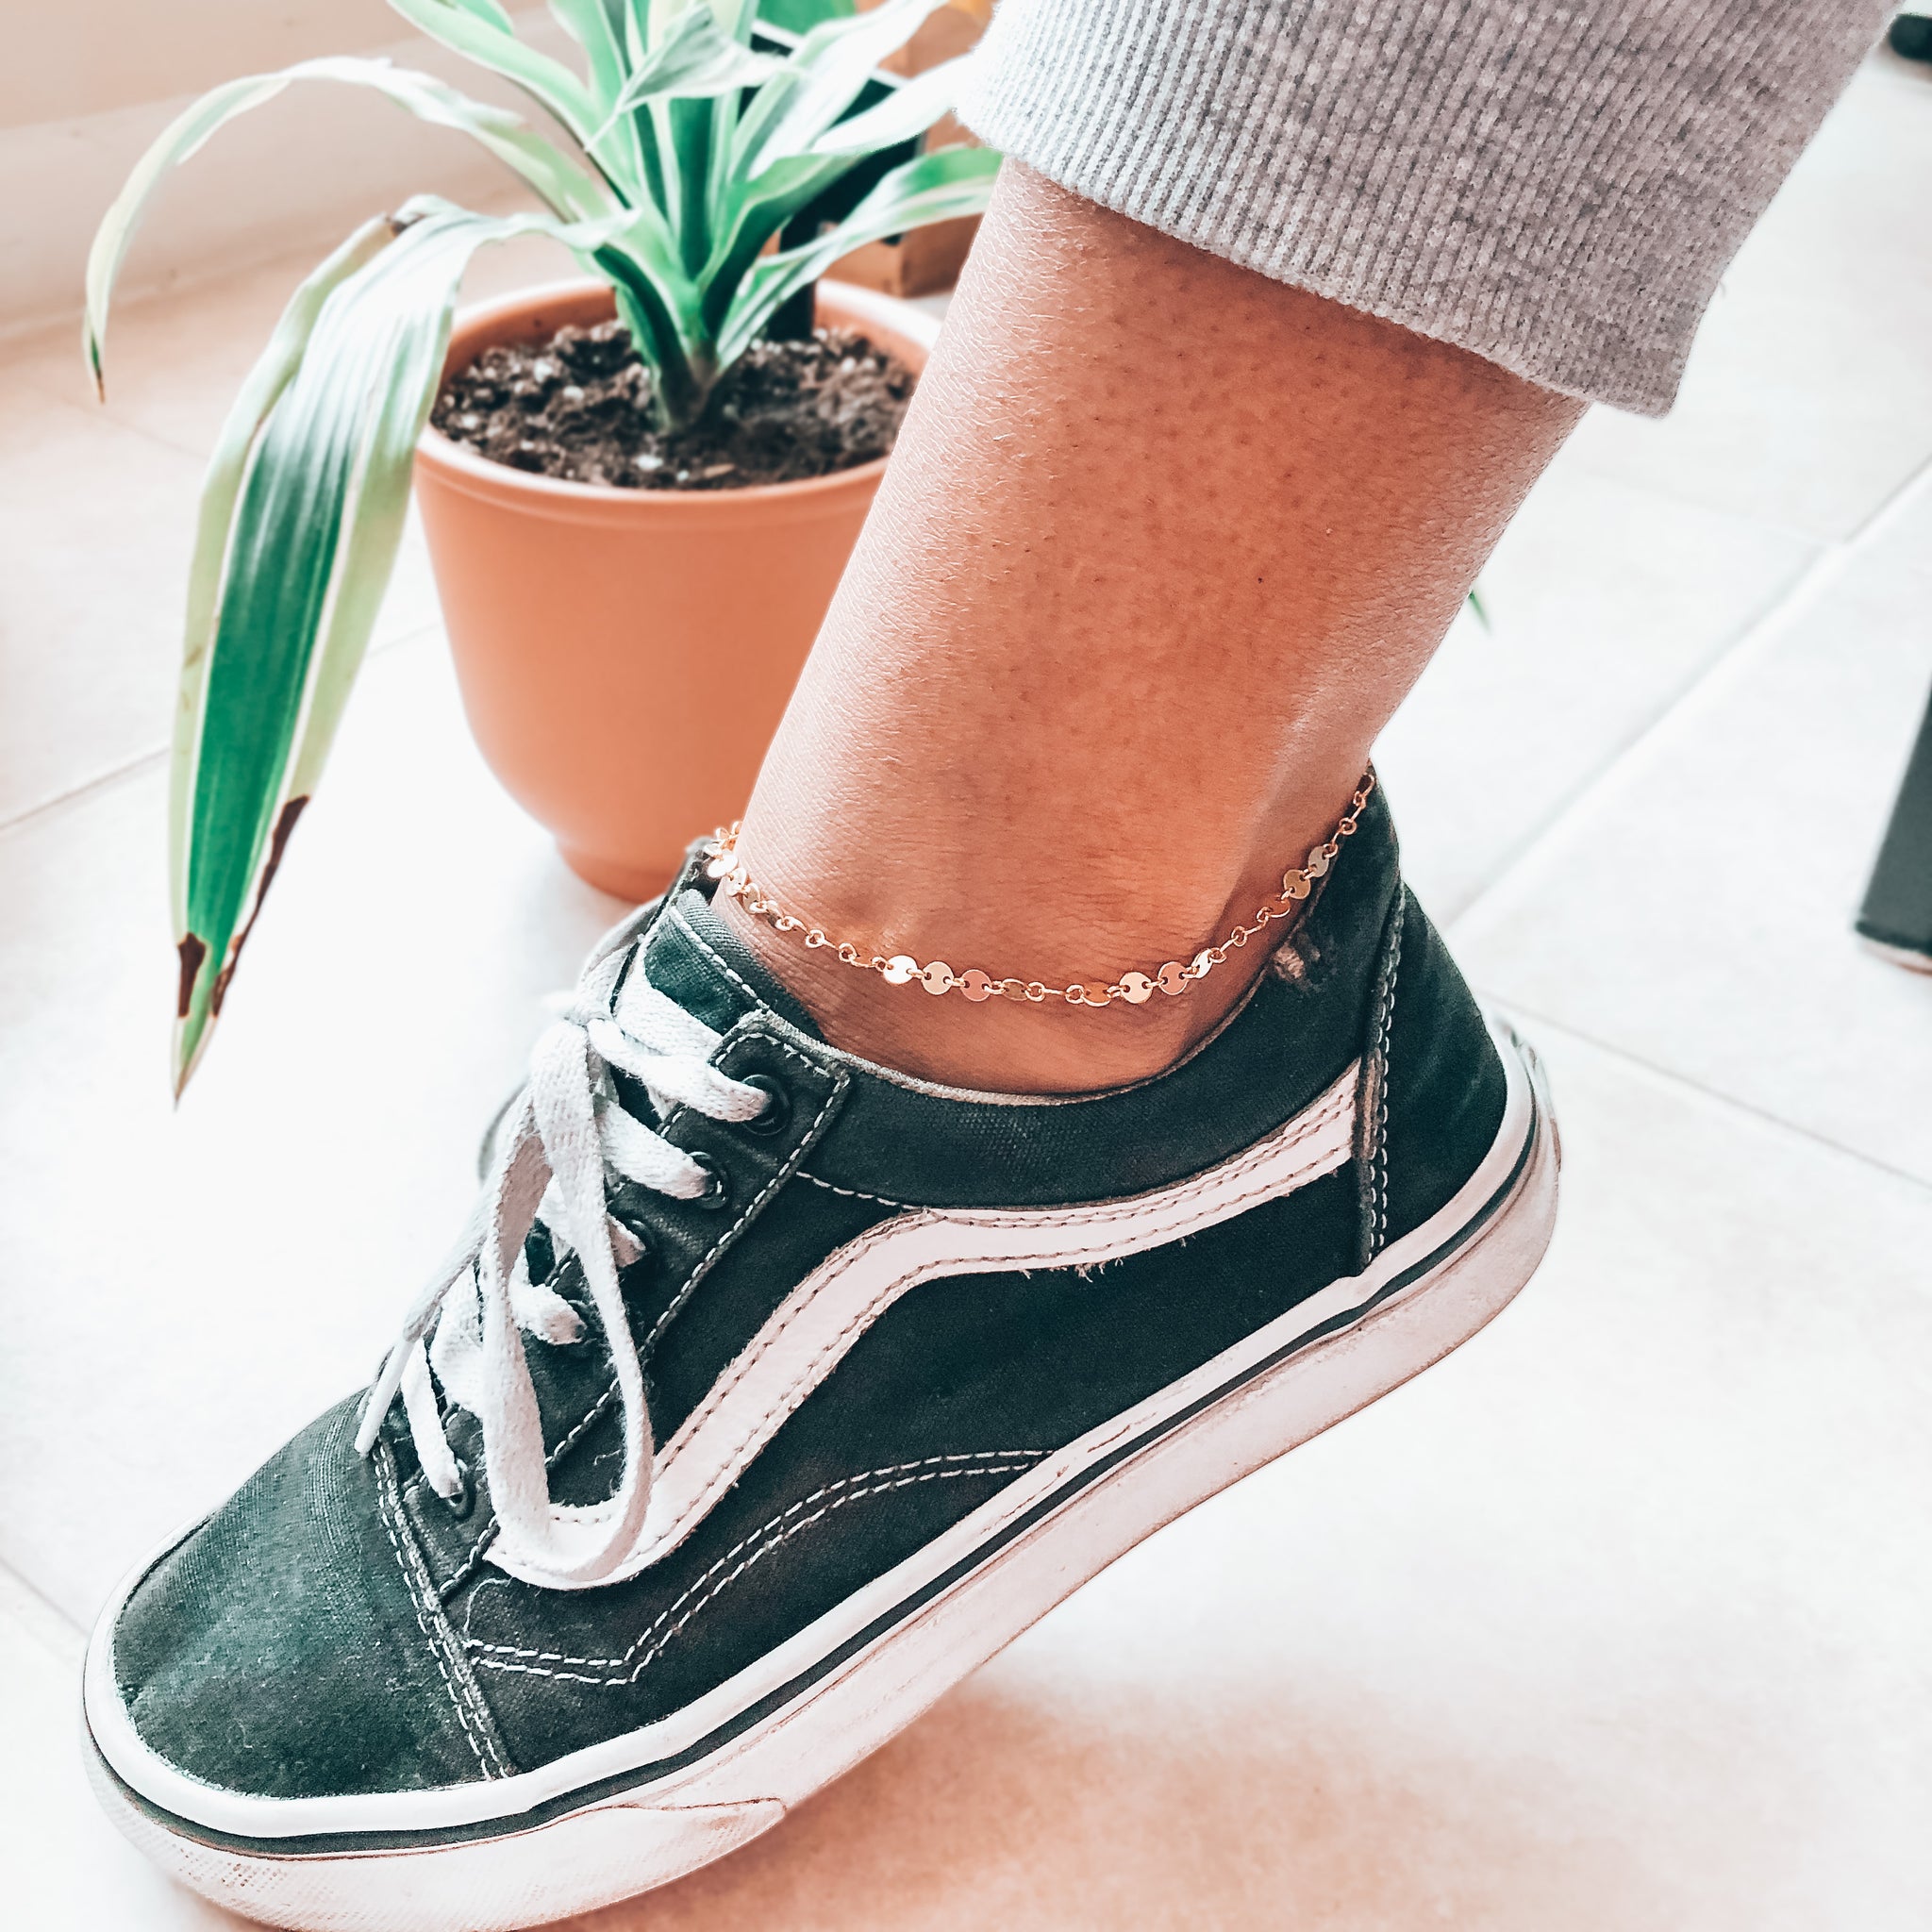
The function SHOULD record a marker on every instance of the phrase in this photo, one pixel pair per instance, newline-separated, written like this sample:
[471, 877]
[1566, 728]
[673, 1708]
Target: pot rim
[463, 469]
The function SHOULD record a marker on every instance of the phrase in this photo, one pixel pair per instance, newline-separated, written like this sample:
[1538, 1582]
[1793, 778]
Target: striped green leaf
[492, 42]
[801, 16]
[306, 547]
[694, 61]
[938, 187]
[565, 186]
[909, 109]
[259, 393]
[822, 79]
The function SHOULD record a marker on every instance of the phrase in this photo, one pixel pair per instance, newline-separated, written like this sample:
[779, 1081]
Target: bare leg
[1163, 545]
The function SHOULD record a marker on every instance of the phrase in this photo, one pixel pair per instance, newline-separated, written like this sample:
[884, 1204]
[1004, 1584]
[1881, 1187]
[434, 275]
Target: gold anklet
[725, 865]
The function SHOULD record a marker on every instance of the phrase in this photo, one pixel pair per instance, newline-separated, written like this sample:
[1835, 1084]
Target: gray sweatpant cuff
[1555, 188]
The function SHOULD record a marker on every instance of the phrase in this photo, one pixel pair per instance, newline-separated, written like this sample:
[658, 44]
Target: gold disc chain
[724, 864]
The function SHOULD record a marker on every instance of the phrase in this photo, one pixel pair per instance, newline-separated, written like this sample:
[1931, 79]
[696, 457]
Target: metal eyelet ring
[464, 1500]
[718, 1189]
[777, 1114]
[539, 1251]
[588, 1329]
[641, 1232]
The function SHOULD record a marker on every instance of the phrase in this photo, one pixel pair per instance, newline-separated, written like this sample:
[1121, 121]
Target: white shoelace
[556, 1139]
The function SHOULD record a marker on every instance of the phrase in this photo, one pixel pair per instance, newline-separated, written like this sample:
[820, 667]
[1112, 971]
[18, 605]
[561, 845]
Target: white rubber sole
[1349, 1345]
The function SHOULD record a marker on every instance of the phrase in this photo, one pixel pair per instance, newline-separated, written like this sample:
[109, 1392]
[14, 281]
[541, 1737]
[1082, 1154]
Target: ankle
[1104, 1009]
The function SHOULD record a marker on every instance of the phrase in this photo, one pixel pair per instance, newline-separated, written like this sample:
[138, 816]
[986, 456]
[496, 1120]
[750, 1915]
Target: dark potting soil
[578, 407]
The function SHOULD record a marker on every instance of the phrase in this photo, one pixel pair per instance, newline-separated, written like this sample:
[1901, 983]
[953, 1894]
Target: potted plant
[710, 172]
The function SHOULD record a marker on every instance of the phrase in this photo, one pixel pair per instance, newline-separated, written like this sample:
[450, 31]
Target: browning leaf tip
[193, 949]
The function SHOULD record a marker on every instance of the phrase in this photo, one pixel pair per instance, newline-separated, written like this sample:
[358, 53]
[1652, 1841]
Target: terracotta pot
[624, 656]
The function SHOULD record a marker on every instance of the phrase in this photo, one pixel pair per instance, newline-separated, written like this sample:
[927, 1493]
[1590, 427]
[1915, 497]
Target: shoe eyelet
[718, 1189]
[777, 1114]
[639, 1230]
[629, 1274]
[588, 1330]
[464, 1500]
[540, 1252]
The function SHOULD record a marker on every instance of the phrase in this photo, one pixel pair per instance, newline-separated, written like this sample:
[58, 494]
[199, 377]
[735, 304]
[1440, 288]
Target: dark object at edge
[1896, 916]
[1911, 36]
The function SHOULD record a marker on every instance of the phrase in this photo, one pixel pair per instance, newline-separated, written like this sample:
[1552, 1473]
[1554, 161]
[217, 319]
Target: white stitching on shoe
[1372, 1102]
[722, 1462]
[856, 1193]
[1385, 1026]
[486, 1533]
[989, 1462]
[481, 1741]
[1340, 1099]
[553, 1163]
[703, 1266]
[724, 965]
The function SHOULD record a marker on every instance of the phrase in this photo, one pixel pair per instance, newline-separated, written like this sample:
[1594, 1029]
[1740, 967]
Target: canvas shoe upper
[895, 1368]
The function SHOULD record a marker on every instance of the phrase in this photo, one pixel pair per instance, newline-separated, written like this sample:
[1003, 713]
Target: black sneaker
[916, 1363]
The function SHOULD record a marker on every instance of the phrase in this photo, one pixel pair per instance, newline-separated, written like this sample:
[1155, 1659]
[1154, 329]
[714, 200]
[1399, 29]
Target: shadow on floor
[1009, 1807]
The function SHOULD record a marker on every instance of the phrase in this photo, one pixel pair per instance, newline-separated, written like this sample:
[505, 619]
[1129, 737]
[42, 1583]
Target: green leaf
[801, 16]
[622, 151]
[689, 81]
[589, 24]
[490, 11]
[659, 306]
[654, 21]
[306, 552]
[687, 138]
[568, 188]
[259, 393]
[822, 79]
[470, 32]
[938, 187]
[909, 109]
[694, 61]
[754, 212]
[644, 239]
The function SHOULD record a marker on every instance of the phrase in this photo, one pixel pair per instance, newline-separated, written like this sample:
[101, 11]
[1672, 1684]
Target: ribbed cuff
[1555, 188]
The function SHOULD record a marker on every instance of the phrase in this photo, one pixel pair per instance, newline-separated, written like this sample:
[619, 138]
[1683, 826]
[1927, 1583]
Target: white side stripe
[821, 1318]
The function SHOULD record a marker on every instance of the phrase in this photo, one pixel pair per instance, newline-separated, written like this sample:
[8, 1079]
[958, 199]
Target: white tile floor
[1616, 1622]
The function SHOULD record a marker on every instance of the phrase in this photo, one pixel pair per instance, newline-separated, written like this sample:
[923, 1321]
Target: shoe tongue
[694, 960]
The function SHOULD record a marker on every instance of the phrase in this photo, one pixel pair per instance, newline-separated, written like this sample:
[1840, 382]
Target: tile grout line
[145, 759]
[103, 411]
[1715, 1096]
[1833, 559]
[1751, 644]
[1679, 499]
[1520, 847]
[24, 1603]
[1894, 504]
[87, 787]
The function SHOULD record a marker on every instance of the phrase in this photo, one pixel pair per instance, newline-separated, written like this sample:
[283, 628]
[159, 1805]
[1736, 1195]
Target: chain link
[1136, 987]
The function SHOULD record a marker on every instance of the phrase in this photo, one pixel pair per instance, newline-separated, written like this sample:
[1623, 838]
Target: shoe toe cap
[281, 1649]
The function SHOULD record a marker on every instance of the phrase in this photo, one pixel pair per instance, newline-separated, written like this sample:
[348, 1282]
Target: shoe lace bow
[559, 1138]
